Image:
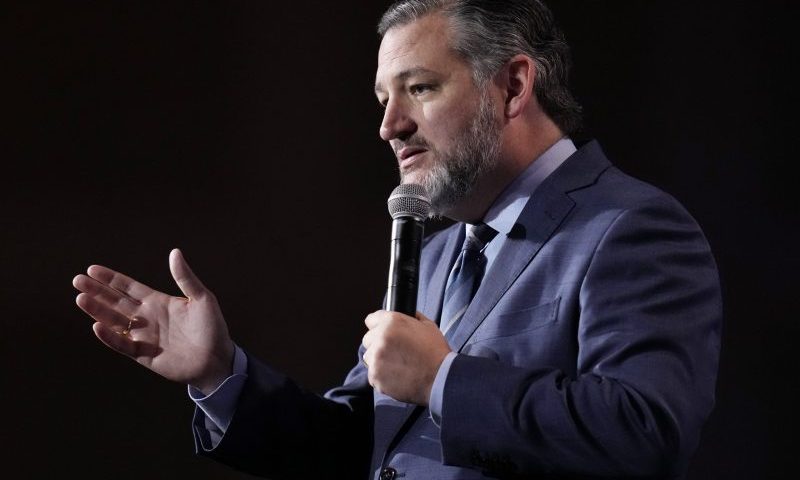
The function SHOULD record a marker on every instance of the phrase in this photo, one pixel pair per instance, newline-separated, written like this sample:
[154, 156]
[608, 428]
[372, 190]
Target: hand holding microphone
[404, 349]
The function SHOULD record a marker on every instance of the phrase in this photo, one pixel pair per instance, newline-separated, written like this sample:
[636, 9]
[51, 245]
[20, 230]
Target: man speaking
[567, 326]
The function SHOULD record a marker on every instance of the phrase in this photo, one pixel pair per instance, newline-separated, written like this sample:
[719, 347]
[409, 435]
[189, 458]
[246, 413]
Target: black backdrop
[246, 134]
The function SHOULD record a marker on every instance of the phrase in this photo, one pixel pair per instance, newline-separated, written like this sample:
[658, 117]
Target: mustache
[413, 141]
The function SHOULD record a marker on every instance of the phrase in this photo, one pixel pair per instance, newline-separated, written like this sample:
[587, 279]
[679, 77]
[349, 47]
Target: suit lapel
[540, 218]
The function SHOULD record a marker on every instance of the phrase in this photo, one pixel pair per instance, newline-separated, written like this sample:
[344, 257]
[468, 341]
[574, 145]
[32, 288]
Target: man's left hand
[403, 355]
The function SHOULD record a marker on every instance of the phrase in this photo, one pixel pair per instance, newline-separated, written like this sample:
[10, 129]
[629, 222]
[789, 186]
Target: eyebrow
[403, 76]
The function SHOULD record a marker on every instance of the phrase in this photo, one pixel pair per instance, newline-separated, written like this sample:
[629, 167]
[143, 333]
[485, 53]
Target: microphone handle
[401, 295]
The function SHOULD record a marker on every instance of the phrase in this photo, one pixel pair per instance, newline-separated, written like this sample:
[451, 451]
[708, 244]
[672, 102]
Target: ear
[517, 81]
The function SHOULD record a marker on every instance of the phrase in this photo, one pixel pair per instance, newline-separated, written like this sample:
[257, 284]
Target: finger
[120, 282]
[367, 358]
[187, 281]
[374, 319]
[113, 298]
[102, 312]
[120, 343]
[367, 339]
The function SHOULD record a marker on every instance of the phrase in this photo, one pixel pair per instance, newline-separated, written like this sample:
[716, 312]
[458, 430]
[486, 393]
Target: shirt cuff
[437, 390]
[220, 405]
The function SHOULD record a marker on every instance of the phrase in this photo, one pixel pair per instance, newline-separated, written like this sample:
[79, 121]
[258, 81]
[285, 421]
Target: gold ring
[127, 330]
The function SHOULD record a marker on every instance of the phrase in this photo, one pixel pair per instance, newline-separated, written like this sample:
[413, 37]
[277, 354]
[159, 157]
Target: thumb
[187, 281]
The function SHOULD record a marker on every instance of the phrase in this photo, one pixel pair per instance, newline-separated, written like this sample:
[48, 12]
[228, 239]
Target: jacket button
[388, 473]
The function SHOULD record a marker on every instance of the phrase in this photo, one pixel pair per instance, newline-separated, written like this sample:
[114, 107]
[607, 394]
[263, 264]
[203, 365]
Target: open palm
[184, 339]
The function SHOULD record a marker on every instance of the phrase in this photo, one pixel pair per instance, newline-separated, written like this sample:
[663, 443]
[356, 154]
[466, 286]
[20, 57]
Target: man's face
[441, 126]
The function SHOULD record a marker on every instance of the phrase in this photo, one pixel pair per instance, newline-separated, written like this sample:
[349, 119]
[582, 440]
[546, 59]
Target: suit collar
[505, 210]
[580, 170]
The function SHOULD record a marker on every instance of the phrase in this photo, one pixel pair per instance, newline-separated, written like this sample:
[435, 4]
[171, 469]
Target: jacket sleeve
[281, 431]
[648, 337]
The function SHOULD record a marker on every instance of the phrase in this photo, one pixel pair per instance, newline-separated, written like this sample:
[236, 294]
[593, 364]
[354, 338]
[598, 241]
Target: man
[587, 345]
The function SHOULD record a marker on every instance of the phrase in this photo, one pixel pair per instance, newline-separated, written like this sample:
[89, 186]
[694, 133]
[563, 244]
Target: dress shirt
[220, 404]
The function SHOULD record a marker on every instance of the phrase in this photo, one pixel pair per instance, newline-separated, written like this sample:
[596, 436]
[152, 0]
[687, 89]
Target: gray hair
[487, 33]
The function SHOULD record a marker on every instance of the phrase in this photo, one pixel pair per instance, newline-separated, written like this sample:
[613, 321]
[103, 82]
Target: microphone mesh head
[409, 200]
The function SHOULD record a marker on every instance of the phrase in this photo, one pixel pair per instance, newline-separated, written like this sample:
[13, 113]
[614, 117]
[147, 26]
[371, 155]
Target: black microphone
[409, 207]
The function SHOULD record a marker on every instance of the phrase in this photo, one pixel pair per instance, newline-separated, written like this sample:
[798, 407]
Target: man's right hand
[184, 339]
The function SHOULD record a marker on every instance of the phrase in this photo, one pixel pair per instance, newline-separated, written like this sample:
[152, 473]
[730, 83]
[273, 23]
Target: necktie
[465, 277]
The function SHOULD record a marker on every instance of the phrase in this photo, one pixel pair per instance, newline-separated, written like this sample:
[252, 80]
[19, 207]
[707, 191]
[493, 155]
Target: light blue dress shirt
[220, 405]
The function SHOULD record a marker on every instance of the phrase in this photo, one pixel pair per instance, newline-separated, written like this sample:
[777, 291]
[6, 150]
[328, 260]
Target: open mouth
[409, 155]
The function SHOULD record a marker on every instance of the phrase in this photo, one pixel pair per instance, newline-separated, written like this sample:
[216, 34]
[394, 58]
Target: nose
[397, 122]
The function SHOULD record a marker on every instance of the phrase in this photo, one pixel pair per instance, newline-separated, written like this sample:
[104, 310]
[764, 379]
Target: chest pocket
[517, 322]
[514, 337]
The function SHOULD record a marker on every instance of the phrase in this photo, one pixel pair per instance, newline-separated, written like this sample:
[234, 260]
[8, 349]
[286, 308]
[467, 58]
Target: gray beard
[453, 174]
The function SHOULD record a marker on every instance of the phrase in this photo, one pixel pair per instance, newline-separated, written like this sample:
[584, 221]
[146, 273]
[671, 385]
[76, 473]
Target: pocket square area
[518, 321]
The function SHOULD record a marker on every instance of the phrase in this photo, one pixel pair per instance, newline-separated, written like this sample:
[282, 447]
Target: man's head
[487, 33]
[455, 78]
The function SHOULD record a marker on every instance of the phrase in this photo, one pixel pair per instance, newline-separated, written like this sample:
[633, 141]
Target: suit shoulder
[590, 179]
[621, 191]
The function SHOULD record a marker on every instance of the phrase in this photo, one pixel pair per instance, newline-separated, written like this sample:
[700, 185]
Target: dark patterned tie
[465, 277]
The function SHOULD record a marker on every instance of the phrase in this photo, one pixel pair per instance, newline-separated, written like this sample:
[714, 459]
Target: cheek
[442, 125]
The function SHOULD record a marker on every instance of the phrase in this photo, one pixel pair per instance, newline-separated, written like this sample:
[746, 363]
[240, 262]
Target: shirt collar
[505, 210]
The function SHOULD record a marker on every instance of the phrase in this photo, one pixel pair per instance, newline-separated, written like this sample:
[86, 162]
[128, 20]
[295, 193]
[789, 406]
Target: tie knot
[478, 236]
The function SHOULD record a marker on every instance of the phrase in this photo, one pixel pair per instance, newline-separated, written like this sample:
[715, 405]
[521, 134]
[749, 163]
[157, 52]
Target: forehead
[422, 45]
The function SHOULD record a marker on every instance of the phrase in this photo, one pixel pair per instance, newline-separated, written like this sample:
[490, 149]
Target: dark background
[246, 134]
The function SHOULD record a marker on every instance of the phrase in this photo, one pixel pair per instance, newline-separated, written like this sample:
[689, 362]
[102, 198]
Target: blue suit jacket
[590, 349]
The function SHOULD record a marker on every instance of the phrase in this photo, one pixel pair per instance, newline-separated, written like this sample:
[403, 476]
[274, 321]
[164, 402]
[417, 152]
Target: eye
[420, 88]
[383, 101]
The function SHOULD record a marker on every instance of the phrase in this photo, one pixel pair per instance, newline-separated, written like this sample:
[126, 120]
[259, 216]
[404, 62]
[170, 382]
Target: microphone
[409, 206]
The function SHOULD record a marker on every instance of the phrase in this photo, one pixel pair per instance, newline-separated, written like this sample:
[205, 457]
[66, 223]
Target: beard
[453, 173]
